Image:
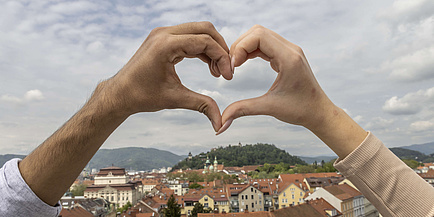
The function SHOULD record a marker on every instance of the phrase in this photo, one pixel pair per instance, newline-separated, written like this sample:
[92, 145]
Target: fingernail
[225, 126]
[232, 64]
[214, 125]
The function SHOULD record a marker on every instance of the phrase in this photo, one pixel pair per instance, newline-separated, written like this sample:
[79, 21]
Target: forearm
[51, 168]
[337, 130]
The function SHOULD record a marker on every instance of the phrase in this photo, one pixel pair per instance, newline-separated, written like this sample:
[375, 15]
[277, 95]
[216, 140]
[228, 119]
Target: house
[289, 194]
[299, 210]
[268, 187]
[250, 198]
[428, 176]
[75, 212]
[324, 208]
[344, 198]
[112, 184]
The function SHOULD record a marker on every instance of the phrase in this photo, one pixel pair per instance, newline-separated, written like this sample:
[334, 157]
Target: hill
[311, 160]
[134, 158]
[257, 154]
[6, 157]
[412, 155]
[426, 148]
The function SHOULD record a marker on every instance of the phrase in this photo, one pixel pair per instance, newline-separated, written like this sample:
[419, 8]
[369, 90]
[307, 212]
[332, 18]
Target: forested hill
[257, 154]
[403, 153]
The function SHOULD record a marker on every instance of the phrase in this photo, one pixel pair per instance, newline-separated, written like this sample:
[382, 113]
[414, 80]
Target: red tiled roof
[343, 192]
[299, 210]
[427, 175]
[75, 212]
[116, 171]
[322, 206]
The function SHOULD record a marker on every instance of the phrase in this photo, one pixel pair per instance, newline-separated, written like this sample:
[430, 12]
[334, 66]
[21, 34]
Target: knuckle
[207, 25]
[157, 30]
[299, 50]
[260, 30]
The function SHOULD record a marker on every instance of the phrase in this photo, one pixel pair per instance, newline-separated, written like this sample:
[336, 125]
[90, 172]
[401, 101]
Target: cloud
[411, 103]
[422, 126]
[404, 11]
[29, 96]
[416, 66]
[379, 123]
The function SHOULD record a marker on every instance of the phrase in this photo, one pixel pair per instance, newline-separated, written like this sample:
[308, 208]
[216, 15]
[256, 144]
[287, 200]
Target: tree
[198, 208]
[195, 186]
[78, 190]
[124, 208]
[172, 209]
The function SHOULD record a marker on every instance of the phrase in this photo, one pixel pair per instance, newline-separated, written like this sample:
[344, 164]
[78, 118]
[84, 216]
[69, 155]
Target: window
[247, 207]
[301, 194]
[252, 197]
[113, 199]
[260, 202]
[283, 200]
[251, 189]
[284, 194]
[205, 205]
[253, 205]
[242, 197]
[292, 196]
[286, 200]
[206, 198]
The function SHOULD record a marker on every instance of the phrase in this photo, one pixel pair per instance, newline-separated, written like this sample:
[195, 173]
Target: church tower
[215, 164]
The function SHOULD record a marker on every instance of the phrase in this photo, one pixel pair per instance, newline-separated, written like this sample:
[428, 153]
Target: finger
[270, 46]
[203, 104]
[211, 64]
[204, 27]
[253, 106]
[194, 45]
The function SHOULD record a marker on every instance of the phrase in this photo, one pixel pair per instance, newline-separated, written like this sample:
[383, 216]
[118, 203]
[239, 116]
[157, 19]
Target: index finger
[203, 27]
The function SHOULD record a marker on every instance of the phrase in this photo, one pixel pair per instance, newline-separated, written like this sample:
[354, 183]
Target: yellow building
[289, 194]
[216, 202]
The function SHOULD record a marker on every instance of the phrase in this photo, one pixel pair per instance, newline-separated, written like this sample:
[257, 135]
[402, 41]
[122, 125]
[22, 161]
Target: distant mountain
[412, 155]
[6, 157]
[426, 148]
[134, 158]
[318, 159]
[230, 156]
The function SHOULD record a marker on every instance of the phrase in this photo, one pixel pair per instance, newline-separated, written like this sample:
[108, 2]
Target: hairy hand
[148, 82]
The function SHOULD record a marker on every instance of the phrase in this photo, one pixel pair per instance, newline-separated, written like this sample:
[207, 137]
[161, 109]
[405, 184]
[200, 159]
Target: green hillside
[134, 158]
[257, 154]
[412, 155]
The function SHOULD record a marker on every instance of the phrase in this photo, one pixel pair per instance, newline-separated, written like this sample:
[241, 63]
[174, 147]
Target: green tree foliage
[269, 171]
[198, 208]
[78, 190]
[124, 207]
[172, 209]
[403, 153]
[412, 163]
[195, 186]
[257, 154]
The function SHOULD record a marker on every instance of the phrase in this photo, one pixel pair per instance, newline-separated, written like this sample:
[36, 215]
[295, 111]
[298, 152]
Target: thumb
[203, 104]
[253, 106]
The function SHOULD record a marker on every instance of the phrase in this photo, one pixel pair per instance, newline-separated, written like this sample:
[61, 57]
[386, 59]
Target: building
[251, 199]
[428, 176]
[112, 184]
[289, 194]
[344, 198]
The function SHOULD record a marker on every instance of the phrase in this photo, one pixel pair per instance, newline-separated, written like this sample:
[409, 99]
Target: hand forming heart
[148, 82]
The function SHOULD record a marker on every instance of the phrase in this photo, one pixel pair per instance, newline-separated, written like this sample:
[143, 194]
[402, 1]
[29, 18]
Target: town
[217, 190]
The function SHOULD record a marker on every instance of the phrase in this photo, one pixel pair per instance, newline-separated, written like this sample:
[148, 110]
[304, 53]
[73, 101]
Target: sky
[374, 59]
